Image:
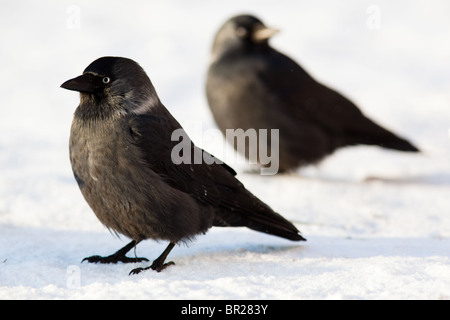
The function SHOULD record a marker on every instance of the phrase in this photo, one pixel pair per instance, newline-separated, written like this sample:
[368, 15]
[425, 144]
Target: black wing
[311, 101]
[210, 182]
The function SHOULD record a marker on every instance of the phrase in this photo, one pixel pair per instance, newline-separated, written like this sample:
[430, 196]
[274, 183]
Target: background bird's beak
[87, 83]
[264, 33]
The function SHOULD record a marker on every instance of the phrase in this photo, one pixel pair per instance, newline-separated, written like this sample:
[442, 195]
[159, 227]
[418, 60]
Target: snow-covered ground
[377, 221]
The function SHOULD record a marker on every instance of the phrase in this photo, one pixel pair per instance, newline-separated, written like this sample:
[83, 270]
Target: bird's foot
[115, 258]
[156, 265]
[119, 256]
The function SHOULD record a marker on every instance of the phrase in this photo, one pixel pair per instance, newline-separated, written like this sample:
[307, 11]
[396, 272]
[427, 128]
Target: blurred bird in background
[251, 85]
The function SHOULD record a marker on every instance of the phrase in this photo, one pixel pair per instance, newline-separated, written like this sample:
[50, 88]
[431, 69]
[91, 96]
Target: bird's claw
[158, 267]
[113, 259]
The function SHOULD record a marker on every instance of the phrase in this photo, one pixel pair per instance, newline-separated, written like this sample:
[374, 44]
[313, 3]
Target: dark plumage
[252, 85]
[120, 150]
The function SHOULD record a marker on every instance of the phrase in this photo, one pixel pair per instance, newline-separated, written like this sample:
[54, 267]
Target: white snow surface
[377, 221]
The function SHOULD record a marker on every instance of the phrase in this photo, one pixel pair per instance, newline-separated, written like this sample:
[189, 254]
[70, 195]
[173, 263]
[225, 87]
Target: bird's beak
[264, 33]
[87, 83]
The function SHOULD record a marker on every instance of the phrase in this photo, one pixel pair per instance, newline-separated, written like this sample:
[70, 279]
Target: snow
[377, 221]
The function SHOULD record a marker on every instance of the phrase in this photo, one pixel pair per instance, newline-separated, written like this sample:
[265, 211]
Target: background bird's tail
[369, 133]
[398, 143]
[388, 140]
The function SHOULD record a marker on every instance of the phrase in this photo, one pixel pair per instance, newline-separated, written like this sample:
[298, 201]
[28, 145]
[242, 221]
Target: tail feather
[284, 231]
[263, 220]
[399, 144]
[370, 133]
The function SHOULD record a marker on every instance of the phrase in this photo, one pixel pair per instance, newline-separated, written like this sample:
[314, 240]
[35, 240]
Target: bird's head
[240, 32]
[114, 84]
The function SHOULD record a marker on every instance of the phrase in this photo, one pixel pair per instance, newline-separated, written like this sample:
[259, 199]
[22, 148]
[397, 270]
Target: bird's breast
[93, 152]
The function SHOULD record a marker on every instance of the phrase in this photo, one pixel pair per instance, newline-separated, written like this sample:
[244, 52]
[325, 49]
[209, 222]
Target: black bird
[121, 155]
[250, 85]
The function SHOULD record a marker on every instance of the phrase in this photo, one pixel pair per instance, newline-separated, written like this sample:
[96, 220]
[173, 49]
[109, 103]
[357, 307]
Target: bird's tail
[279, 228]
[262, 219]
[387, 140]
[400, 144]
[370, 133]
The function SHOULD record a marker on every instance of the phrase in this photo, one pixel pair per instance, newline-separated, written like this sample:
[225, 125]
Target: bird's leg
[158, 265]
[119, 256]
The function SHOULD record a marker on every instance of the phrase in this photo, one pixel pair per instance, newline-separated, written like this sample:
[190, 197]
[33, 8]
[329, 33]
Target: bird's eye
[241, 32]
[106, 80]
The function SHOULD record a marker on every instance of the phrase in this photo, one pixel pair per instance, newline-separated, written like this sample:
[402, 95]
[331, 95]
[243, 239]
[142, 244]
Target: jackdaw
[121, 151]
[250, 85]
